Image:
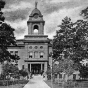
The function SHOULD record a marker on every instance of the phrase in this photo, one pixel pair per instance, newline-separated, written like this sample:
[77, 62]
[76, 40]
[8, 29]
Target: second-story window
[41, 54]
[30, 54]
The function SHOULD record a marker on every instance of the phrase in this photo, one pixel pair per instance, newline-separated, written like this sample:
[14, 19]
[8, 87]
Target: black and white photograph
[43, 43]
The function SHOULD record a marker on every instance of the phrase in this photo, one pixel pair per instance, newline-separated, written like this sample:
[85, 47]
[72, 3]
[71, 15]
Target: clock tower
[36, 43]
[35, 22]
[34, 49]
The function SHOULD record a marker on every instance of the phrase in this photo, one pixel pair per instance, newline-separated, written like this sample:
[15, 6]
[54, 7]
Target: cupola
[35, 22]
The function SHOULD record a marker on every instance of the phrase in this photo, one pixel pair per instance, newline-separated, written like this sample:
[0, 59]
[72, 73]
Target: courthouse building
[34, 49]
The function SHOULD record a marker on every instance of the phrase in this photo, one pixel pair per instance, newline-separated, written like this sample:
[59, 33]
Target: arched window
[36, 29]
[30, 54]
[41, 54]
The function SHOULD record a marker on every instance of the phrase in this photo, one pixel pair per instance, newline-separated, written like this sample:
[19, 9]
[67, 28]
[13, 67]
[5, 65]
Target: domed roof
[36, 11]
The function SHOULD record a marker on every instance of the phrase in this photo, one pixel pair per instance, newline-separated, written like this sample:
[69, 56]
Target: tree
[83, 68]
[65, 66]
[6, 38]
[2, 3]
[84, 13]
[10, 69]
[71, 44]
[63, 39]
[48, 72]
[84, 71]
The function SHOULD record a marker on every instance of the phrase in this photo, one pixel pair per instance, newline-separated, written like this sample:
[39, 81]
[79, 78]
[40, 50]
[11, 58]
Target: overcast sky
[17, 13]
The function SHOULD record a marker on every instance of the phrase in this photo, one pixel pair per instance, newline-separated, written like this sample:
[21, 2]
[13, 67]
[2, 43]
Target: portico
[36, 67]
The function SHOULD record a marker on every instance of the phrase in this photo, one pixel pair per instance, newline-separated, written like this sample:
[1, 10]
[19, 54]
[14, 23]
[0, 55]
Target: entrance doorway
[36, 68]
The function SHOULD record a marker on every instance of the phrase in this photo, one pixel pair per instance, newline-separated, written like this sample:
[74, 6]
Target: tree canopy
[71, 42]
[6, 38]
[84, 13]
[10, 69]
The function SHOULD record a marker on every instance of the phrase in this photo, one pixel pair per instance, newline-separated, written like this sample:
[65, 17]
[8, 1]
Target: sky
[17, 13]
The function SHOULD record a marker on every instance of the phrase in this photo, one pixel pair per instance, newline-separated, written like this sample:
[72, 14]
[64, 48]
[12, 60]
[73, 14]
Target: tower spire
[36, 4]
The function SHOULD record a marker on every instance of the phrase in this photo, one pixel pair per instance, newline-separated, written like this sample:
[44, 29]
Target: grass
[14, 86]
[52, 85]
[56, 85]
[10, 82]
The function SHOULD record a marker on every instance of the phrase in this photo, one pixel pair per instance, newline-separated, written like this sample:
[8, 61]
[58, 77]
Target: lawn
[54, 85]
[16, 83]
[83, 84]
[14, 86]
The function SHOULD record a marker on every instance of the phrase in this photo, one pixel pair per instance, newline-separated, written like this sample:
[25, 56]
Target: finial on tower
[36, 4]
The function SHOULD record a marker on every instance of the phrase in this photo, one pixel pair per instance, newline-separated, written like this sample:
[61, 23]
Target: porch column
[45, 67]
[30, 67]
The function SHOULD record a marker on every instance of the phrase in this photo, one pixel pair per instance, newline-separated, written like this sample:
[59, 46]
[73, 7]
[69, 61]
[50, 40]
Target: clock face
[35, 16]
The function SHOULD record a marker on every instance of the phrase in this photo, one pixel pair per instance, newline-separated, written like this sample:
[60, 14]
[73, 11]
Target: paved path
[36, 82]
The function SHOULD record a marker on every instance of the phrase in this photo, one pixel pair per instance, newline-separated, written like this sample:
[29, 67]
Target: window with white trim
[41, 54]
[30, 54]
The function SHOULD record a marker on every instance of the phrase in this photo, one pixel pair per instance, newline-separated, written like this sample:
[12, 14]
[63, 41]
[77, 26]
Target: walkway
[36, 82]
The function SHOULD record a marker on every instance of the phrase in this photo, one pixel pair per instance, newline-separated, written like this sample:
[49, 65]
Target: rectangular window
[12, 52]
[60, 76]
[74, 76]
[16, 52]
